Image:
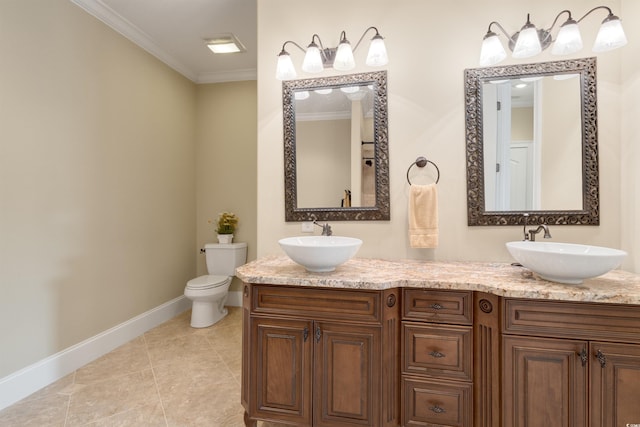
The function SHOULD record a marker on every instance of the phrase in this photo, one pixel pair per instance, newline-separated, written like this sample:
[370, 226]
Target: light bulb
[285, 69]
[492, 51]
[312, 59]
[377, 56]
[528, 42]
[344, 57]
[569, 39]
[610, 36]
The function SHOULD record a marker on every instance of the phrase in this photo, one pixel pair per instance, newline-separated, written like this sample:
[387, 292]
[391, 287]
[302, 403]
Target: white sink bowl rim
[565, 262]
[320, 253]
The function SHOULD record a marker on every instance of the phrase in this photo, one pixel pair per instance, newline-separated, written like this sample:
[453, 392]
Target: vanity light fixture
[317, 57]
[530, 41]
[225, 43]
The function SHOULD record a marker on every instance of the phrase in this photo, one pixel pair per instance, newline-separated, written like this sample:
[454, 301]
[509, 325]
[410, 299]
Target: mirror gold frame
[476, 212]
[381, 209]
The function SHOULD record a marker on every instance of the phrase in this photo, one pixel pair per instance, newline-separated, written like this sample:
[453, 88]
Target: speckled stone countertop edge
[501, 279]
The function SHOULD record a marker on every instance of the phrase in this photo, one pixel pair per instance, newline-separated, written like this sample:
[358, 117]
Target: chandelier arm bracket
[506, 34]
[555, 21]
[293, 43]
[364, 34]
[594, 9]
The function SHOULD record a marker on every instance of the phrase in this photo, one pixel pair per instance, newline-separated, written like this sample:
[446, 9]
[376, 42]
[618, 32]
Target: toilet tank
[222, 259]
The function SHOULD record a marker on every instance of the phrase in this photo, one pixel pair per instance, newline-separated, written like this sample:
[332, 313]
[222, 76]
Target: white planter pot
[225, 238]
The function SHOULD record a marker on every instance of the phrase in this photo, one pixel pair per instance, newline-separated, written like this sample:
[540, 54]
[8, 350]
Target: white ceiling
[174, 31]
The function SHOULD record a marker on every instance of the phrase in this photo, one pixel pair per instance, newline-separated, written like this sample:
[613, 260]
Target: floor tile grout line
[155, 380]
[66, 414]
[224, 362]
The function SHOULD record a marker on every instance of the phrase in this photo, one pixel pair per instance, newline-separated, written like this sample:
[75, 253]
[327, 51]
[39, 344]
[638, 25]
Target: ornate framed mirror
[336, 155]
[532, 143]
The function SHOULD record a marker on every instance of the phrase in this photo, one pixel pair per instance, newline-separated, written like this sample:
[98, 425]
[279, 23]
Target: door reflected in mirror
[532, 143]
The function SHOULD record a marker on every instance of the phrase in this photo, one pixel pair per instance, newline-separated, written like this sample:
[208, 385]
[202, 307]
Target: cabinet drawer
[561, 319]
[437, 350]
[321, 304]
[437, 306]
[436, 403]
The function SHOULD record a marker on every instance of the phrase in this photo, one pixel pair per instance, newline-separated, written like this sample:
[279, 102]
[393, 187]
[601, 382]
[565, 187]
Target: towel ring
[422, 162]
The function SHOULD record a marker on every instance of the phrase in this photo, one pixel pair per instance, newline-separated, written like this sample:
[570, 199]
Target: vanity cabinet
[570, 364]
[315, 357]
[437, 363]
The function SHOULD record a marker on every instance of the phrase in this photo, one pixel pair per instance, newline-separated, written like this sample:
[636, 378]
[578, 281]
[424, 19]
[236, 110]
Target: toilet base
[207, 313]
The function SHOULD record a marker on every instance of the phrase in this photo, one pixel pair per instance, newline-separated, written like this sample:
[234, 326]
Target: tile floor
[173, 375]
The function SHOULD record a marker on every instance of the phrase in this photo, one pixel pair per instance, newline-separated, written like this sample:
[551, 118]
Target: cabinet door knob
[583, 356]
[318, 333]
[601, 358]
[436, 354]
[305, 333]
[437, 409]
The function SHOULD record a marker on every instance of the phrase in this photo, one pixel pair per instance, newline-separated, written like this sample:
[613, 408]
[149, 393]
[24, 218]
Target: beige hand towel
[423, 216]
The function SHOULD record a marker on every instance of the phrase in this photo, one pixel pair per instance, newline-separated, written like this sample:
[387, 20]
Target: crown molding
[228, 76]
[107, 15]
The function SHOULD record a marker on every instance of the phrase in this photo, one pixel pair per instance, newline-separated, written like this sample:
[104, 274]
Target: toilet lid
[207, 282]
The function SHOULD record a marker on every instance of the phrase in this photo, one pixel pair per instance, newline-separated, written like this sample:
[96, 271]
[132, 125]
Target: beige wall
[97, 182]
[429, 44]
[226, 162]
[630, 153]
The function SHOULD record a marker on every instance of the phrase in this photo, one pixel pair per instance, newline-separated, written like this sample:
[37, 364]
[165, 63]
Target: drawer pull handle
[436, 354]
[437, 306]
[601, 358]
[437, 409]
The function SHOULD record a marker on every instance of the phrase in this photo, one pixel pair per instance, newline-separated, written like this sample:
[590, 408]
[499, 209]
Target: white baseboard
[30, 379]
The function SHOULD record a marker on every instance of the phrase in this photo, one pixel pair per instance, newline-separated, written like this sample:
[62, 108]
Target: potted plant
[226, 226]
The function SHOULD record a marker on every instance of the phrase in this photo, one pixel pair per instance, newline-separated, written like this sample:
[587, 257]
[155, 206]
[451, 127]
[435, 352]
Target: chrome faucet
[531, 233]
[326, 228]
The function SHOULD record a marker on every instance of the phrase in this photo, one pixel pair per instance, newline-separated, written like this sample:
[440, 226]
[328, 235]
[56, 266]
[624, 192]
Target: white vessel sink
[320, 253]
[565, 262]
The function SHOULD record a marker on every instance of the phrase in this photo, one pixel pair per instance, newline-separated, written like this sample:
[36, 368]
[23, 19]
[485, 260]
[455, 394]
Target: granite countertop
[500, 279]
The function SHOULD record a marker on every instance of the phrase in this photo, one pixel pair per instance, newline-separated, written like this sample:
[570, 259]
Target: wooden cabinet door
[545, 382]
[615, 384]
[347, 374]
[281, 370]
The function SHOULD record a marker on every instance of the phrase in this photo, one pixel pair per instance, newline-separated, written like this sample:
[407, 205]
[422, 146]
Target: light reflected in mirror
[336, 148]
[532, 146]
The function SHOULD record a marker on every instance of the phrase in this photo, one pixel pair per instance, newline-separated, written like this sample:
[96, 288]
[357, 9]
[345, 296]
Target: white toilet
[209, 293]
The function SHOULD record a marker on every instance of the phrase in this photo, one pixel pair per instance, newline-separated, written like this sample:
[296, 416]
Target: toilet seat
[207, 282]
